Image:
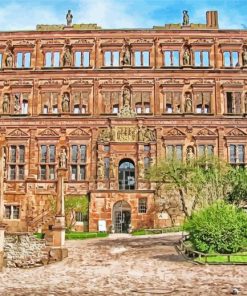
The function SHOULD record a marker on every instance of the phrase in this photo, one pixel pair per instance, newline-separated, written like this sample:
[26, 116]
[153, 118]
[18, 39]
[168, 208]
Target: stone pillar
[2, 230]
[2, 225]
[59, 227]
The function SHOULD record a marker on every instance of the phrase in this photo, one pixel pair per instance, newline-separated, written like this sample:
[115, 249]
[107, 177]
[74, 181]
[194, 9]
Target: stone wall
[24, 250]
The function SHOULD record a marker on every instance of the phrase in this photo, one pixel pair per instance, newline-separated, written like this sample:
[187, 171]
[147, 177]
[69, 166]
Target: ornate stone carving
[48, 132]
[244, 56]
[5, 105]
[236, 132]
[186, 19]
[17, 105]
[67, 57]
[140, 169]
[146, 134]
[127, 112]
[9, 60]
[63, 158]
[105, 135]
[65, 102]
[205, 132]
[69, 18]
[126, 60]
[190, 155]
[186, 56]
[18, 133]
[175, 132]
[100, 169]
[112, 168]
[79, 132]
[188, 103]
[125, 134]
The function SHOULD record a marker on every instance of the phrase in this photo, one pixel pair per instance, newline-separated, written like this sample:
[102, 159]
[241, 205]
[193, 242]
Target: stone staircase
[41, 222]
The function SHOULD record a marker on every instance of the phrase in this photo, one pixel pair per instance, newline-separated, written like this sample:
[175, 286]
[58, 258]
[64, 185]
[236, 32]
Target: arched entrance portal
[121, 214]
[126, 175]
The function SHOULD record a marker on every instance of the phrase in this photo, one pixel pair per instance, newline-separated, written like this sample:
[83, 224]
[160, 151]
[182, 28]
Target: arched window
[126, 175]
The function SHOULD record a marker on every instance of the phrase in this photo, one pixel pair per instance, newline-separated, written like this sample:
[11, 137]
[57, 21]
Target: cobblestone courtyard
[124, 266]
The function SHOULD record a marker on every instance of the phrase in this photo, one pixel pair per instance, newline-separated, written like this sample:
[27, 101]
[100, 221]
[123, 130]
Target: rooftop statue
[69, 18]
[186, 19]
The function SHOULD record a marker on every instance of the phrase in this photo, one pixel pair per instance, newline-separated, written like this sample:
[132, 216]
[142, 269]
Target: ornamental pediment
[175, 132]
[79, 133]
[236, 132]
[48, 132]
[17, 133]
[206, 132]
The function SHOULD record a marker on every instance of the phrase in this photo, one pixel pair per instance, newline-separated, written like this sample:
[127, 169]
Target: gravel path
[124, 266]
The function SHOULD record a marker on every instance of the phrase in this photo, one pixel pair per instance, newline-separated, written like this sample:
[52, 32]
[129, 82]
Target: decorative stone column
[59, 226]
[2, 225]
[2, 230]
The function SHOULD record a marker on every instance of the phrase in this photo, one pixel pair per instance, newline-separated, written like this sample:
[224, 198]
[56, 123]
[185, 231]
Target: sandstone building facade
[106, 104]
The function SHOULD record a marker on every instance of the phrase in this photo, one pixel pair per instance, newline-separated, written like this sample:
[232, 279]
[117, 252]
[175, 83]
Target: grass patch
[232, 258]
[39, 235]
[84, 235]
[156, 231]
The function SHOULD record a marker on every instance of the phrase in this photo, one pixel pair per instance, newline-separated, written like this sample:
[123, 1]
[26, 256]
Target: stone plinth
[59, 231]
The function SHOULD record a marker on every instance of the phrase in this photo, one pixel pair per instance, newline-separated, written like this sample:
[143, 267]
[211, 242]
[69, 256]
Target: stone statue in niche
[126, 55]
[140, 169]
[190, 154]
[17, 105]
[112, 169]
[100, 169]
[65, 103]
[69, 18]
[67, 58]
[188, 103]
[62, 159]
[186, 19]
[5, 105]
[244, 55]
[126, 96]
[186, 57]
[9, 59]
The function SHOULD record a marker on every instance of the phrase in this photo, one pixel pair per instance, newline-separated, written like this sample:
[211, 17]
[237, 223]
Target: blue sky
[25, 14]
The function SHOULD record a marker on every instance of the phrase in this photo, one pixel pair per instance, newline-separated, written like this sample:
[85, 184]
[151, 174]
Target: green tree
[198, 182]
[73, 204]
[238, 181]
[221, 228]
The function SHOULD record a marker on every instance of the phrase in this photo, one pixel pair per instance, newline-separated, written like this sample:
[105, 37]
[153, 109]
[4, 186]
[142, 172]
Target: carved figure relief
[100, 169]
[126, 61]
[141, 169]
[186, 19]
[126, 96]
[112, 169]
[63, 159]
[244, 55]
[9, 59]
[69, 18]
[67, 57]
[188, 103]
[17, 105]
[5, 105]
[147, 134]
[65, 102]
[126, 111]
[190, 154]
[124, 134]
[105, 135]
[186, 56]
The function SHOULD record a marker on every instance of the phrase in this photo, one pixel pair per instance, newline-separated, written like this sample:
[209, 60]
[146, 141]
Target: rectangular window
[111, 58]
[11, 212]
[205, 150]
[146, 148]
[23, 60]
[233, 102]
[78, 162]
[142, 205]
[47, 162]
[142, 59]
[237, 154]
[78, 216]
[203, 102]
[174, 152]
[231, 59]
[201, 58]
[1, 60]
[16, 161]
[82, 59]
[172, 102]
[141, 100]
[52, 59]
[171, 58]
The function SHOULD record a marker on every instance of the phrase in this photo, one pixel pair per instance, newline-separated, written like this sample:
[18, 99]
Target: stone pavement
[124, 265]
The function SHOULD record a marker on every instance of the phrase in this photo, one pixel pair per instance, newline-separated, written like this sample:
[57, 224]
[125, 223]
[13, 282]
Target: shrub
[218, 228]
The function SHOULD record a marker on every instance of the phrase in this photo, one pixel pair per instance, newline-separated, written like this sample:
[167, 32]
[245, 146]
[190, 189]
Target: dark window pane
[107, 167]
[21, 172]
[16, 212]
[83, 153]
[51, 172]
[21, 154]
[241, 153]
[74, 153]
[13, 154]
[43, 153]
[52, 153]
[7, 212]
[142, 205]
[74, 172]
[232, 153]
[12, 172]
[43, 172]
[82, 172]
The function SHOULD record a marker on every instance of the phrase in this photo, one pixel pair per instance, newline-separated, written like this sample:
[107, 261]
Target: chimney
[212, 19]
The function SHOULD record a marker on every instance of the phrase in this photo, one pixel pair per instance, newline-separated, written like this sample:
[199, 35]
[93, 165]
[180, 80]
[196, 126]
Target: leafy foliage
[238, 180]
[220, 228]
[73, 204]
